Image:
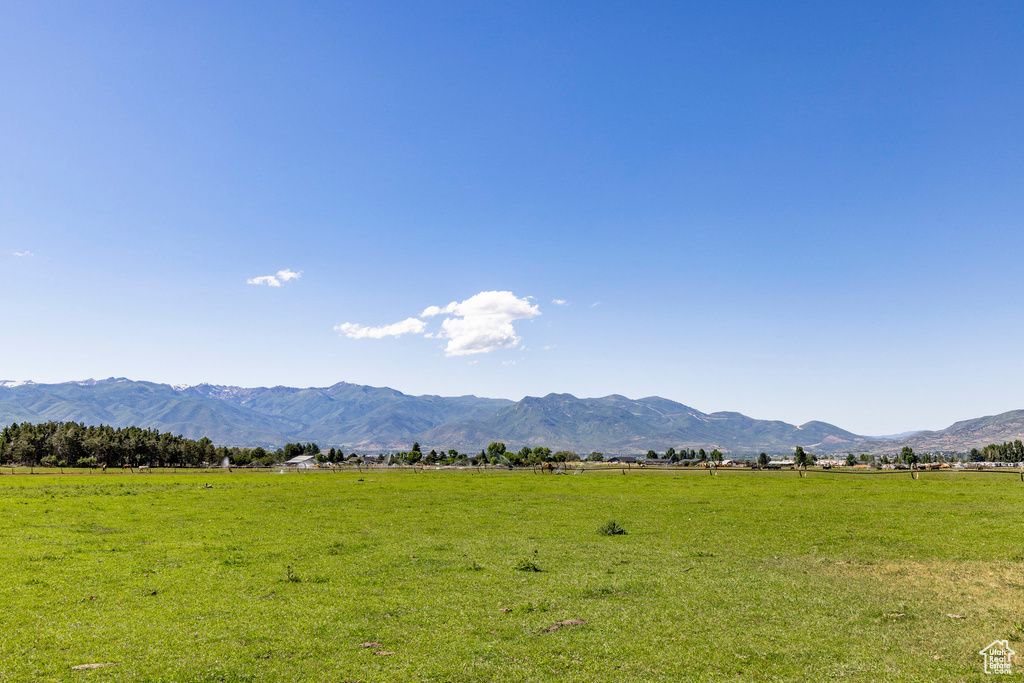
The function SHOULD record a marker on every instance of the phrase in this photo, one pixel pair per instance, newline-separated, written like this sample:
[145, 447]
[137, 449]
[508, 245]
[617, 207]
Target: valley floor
[742, 576]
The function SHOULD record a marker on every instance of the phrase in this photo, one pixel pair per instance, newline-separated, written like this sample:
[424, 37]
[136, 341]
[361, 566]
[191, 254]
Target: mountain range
[362, 418]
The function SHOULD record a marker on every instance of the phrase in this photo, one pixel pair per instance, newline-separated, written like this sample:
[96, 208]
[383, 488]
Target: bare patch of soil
[83, 667]
[568, 622]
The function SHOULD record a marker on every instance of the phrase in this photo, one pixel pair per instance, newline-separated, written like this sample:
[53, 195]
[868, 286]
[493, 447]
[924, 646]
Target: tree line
[683, 454]
[496, 453]
[1011, 451]
[72, 444]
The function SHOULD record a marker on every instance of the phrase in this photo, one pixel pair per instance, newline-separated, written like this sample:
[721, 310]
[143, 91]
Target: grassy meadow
[740, 576]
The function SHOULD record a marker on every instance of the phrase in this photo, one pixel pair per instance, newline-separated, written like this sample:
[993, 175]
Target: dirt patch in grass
[84, 667]
[567, 622]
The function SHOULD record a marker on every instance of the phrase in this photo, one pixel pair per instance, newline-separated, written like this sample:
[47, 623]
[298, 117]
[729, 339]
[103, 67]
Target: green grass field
[744, 575]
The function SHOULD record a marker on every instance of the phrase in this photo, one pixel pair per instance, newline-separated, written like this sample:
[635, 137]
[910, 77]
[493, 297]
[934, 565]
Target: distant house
[302, 462]
[623, 458]
[780, 464]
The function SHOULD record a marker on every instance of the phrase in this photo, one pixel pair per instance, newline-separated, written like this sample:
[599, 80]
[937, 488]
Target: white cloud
[431, 311]
[275, 280]
[595, 304]
[407, 326]
[482, 323]
[20, 254]
[560, 302]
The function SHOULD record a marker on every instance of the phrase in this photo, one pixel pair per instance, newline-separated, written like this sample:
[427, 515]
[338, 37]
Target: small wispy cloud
[22, 254]
[407, 326]
[276, 280]
[560, 302]
[595, 304]
[480, 324]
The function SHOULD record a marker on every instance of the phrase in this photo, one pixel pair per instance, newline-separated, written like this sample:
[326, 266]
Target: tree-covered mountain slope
[365, 418]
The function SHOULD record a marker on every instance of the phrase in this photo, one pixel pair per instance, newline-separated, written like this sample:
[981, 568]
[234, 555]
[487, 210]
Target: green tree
[595, 457]
[800, 458]
[762, 460]
[258, 454]
[908, 456]
[851, 460]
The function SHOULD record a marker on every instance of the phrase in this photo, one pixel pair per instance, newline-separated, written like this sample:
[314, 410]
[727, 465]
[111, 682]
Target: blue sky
[796, 211]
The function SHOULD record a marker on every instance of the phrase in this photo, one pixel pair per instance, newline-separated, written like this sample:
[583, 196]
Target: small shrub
[528, 564]
[292, 576]
[610, 528]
